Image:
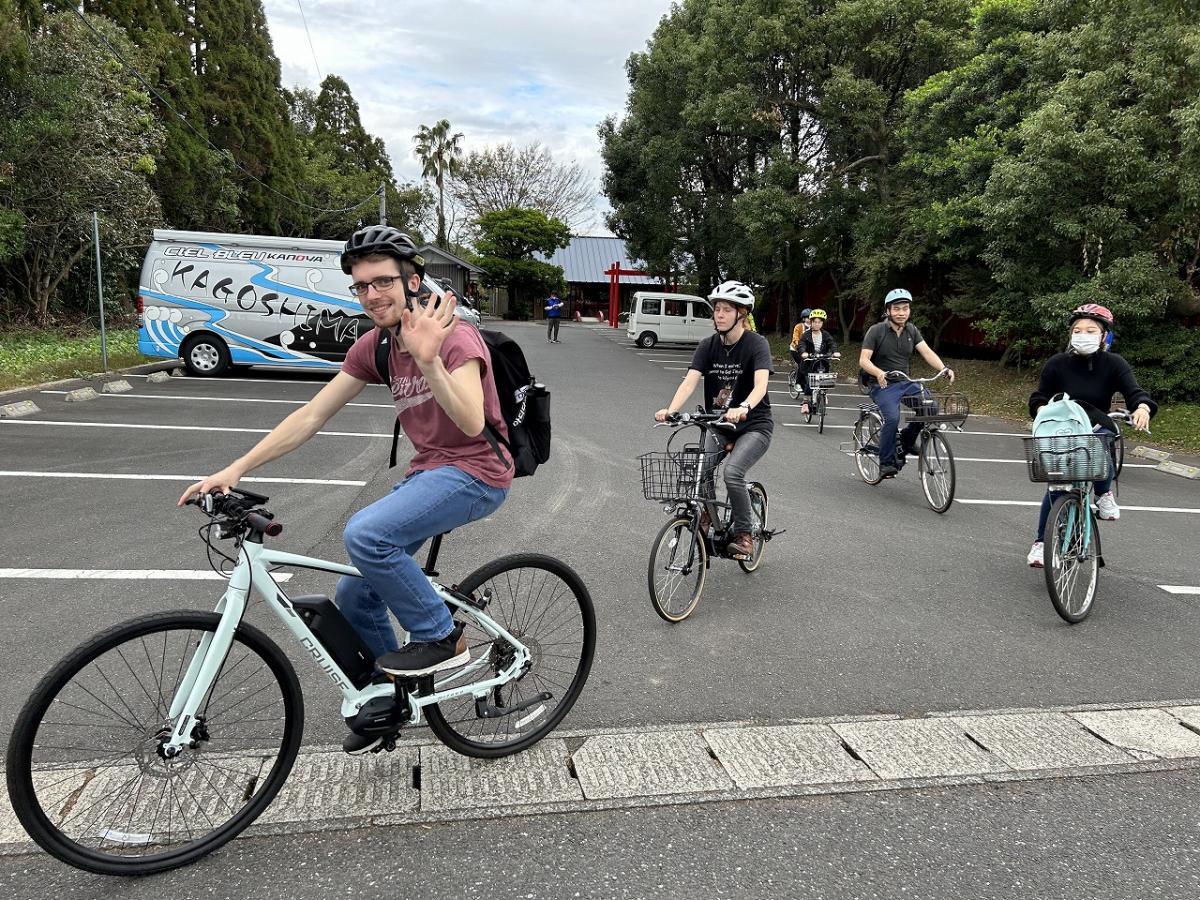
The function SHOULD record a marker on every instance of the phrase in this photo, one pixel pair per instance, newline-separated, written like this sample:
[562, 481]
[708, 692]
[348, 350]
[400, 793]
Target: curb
[144, 368]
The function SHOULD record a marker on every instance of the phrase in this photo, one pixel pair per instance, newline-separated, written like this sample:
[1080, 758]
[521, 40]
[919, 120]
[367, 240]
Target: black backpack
[524, 402]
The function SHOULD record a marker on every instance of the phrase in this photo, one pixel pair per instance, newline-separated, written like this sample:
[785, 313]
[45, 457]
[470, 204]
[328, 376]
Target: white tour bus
[221, 300]
[675, 318]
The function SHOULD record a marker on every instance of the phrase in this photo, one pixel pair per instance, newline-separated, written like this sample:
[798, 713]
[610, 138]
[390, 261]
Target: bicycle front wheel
[1118, 453]
[544, 604]
[867, 432]
[758, 515]
[821, 404]
[86, 774]
[936, 465]
[1072, 557]
[678, 563]
[793, 384]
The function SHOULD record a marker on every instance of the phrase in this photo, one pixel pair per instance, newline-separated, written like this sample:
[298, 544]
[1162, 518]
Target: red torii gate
[614, 274]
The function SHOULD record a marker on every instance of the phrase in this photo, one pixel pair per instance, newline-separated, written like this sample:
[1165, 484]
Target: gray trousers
[747, 450]
[552, 327]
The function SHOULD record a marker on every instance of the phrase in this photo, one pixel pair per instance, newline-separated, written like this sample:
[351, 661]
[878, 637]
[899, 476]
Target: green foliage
[439, 152]
[74, 139]
[33, 357]
[1164, 360]
[508, 240]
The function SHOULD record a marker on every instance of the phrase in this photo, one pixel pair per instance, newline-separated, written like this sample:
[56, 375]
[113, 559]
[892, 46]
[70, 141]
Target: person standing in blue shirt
[553, 314]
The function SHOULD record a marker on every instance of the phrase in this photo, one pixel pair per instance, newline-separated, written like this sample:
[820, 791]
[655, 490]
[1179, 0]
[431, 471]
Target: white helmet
[733, 292]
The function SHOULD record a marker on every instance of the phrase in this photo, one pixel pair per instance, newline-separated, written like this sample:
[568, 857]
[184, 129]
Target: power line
[304, 19]
[138, 75]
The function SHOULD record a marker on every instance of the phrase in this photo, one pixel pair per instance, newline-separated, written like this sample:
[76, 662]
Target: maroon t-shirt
[438, 441]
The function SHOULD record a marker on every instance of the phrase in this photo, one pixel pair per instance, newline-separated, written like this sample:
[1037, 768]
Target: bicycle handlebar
[896, 375]
[676, 419]
[237, 509]
[1124, 415]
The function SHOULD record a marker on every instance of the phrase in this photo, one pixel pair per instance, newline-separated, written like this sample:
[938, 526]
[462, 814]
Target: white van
[674, 318]
[222, 300]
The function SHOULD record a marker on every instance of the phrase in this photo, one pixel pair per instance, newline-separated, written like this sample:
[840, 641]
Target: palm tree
[438, 151]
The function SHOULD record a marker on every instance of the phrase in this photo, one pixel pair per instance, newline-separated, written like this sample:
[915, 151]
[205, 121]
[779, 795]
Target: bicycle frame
[251, 571]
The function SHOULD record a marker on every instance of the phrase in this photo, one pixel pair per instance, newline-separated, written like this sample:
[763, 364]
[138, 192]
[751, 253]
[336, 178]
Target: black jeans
[552, 328]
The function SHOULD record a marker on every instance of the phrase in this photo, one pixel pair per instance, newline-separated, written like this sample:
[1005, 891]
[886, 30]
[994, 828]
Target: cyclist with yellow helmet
[815, 343]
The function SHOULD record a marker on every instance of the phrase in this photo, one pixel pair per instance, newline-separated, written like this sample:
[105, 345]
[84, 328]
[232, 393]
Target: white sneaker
[1106, 507]
[1036, 555]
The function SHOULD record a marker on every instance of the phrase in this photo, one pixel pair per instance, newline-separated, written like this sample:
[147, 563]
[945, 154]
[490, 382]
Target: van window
[675, 308]
[651, 306]
[701, 311]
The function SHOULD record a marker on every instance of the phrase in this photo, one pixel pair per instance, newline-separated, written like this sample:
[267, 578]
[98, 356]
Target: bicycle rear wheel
[821, 404]
[758, 515]
[678, 564]
[867, 432]
[544, 604]
[936, 465]
[85, 773]
[1072, 560]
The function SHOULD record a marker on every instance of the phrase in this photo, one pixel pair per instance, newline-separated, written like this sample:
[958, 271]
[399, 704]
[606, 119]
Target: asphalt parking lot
[868, 603]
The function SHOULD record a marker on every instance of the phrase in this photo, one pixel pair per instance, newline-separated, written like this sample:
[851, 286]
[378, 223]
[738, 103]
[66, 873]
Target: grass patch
[29, 357]
[1004, 393]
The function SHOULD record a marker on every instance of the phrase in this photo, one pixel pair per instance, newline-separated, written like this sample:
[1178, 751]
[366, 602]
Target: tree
[508, 240]
[341, 163]
[77, 135]
[438, 151]
[506, 176]
[246, 113]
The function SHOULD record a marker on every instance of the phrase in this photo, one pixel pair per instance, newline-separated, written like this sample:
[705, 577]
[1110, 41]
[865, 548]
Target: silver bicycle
[160, 739]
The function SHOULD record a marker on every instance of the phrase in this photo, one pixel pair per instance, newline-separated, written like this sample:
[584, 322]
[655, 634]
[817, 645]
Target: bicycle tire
[793, 385]
[1062, 565]
[66, 814]
[675, 530]
[1118, 452]
[867, 432]
[936, 467]
[822, 403]
[544, 603]
[758, 509]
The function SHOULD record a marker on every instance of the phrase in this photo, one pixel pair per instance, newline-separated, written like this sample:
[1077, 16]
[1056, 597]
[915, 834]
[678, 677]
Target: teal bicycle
[162, 738]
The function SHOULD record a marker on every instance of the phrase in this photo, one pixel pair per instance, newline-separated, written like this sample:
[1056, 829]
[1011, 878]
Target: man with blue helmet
[888, 346]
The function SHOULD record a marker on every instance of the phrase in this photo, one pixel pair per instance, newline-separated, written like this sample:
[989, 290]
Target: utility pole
[383, 203]
[100, 289]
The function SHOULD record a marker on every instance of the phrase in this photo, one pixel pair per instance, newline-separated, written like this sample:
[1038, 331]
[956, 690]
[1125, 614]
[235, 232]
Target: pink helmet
[1095, 312]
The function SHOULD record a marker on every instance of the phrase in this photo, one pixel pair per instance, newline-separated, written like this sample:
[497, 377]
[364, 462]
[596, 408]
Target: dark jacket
[828, 344]
[1091, 381]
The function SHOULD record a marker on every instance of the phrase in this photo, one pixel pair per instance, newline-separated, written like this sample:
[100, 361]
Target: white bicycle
[160, 739]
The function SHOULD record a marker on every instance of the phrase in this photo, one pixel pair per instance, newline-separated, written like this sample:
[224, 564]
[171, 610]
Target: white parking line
[222, 378]
[128, 574]
[223, 399]
[1180, 589]
[1124, 508]
[987, 459]
[124, 476]
[365, 434]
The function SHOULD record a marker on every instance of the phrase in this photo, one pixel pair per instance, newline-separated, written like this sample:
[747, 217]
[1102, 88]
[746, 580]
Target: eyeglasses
[381, 284]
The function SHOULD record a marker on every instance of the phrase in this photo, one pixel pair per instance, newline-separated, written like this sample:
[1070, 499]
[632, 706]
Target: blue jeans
[1100, 487]
[381, 540]
[888, 400]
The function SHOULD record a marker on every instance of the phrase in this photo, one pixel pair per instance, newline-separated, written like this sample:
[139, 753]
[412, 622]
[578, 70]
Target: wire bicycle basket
[686, 474]
[1067, 458]
[952, 408]
[822, 379]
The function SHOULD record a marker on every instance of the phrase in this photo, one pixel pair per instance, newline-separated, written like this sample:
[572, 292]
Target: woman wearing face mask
[1090, 376]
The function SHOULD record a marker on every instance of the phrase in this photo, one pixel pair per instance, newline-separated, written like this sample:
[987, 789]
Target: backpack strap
[383, 366]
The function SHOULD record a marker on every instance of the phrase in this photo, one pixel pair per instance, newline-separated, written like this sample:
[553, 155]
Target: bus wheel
[205, 355]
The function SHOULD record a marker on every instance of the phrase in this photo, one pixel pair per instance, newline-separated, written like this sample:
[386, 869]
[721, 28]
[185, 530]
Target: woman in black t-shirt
[734, 365]
[1090, 376]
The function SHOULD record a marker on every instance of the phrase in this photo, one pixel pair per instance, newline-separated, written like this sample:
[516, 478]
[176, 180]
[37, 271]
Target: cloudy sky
[499, 70]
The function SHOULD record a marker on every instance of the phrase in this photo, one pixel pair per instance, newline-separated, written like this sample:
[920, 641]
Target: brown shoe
[705, 520]
[741, 547]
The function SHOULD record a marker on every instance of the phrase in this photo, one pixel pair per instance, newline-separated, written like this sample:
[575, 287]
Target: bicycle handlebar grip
[262, 523]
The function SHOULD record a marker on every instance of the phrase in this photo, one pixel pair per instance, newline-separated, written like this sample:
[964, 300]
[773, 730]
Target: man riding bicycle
[798, 332]
[814, 342]
[444, 392]
[888, 346]
[735, 365]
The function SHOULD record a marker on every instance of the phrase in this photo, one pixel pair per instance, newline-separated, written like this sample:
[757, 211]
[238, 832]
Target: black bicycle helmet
[381, 239]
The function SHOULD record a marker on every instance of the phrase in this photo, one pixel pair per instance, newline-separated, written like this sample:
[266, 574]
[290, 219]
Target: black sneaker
[888, 471]
[357, 744]
[424, 657]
